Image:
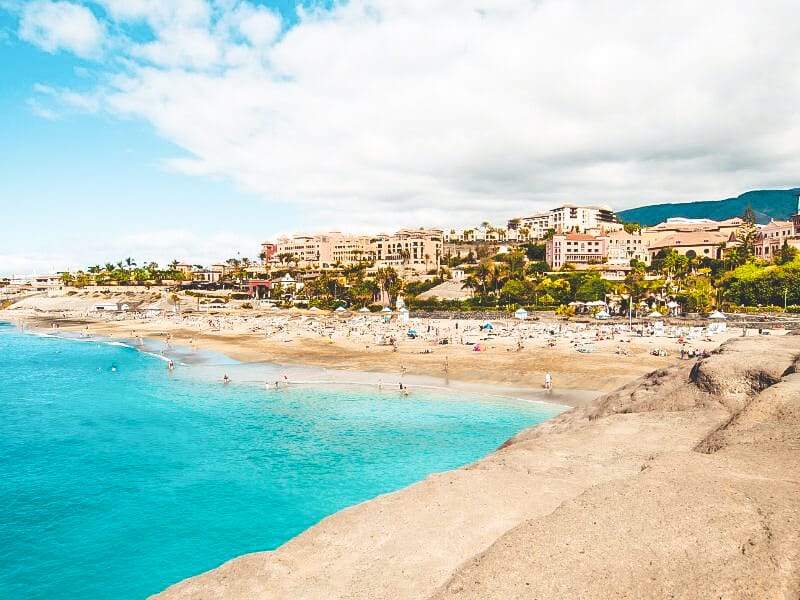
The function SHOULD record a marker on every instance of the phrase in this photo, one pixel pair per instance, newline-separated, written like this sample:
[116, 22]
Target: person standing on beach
[548, 381]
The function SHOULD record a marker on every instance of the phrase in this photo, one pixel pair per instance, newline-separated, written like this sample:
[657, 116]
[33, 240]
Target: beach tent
[487, 326]
[521, 314]
[412, 333]
[602, 315]
[717, 315]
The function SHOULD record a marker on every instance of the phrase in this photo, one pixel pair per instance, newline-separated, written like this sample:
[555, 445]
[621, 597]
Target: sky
[195, 129]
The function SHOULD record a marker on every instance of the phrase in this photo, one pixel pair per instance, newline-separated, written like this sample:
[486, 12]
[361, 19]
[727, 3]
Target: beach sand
[349, 345]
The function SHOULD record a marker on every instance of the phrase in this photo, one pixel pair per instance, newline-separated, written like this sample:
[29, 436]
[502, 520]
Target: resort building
[679, 225]
[415, 249]
[770, 238]
[699, 243]
[566, 218]
[622, 247]
[576, 249]
[37, 283]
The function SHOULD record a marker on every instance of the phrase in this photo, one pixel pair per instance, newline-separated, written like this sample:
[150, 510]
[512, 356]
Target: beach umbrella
[404, 310]
[341, 309]
[717, 315]
[602, 315]
[596, 303]
[655, 315]
[386, 309]
[575, 303]
[672, 304]
[363, 310]
[314, 308]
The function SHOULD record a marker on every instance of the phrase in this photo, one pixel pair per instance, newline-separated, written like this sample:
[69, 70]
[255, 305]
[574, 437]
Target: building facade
[577, 249]
[564, 219]
[771, 237]
[419, 250]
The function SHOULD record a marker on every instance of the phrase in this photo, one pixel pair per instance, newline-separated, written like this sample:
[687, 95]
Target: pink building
[268, 249]
[771, 237]
[576, 248]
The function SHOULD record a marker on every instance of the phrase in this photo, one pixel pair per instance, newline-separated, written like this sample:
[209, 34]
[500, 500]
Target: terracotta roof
[581, 237]
[690, 238]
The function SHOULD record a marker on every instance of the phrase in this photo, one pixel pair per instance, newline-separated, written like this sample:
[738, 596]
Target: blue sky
[71, 184]
[195, 129]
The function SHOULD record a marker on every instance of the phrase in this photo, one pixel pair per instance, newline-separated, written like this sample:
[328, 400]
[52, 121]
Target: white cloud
[31, 263]
[54, 26]
[385, 113]
[161, 246]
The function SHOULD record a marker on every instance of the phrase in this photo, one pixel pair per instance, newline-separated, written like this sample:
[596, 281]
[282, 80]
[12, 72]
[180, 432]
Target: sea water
[119, 477]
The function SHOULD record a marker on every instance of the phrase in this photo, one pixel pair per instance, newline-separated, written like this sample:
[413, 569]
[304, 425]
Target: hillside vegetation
[767, 204]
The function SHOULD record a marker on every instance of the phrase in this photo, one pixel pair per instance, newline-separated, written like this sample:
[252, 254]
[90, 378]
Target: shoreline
[508, 363]
[566, 398]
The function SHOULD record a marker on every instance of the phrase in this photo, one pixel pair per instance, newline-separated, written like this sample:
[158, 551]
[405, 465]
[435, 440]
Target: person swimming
[170, 365]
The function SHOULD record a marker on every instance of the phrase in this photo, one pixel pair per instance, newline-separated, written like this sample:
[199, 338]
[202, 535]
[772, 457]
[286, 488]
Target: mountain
[767, 204]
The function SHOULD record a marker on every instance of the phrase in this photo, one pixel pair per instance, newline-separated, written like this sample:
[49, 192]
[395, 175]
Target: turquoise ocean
[119, 478]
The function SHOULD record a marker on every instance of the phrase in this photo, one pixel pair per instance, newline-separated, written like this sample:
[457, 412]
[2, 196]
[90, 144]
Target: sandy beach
[583, 357]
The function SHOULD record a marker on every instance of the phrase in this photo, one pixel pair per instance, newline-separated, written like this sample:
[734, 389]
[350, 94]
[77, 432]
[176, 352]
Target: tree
[746, 242]
[386, 278]
[593, 288]
[787, 255]
[515, 291]
[485, 273]
[537, 267]
[632, 228]
[698, 293]
[470, 283]
[749, 215]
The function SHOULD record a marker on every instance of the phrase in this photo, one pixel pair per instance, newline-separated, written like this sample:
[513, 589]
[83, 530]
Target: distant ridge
[767, 204]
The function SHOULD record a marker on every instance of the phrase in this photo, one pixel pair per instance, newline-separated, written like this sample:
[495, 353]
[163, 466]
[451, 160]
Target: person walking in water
[548, 381]
[226, 379]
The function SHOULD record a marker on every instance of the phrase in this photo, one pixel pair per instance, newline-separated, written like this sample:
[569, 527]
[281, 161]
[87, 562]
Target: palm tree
[485, 273]
[129, 262]
[471, 284]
